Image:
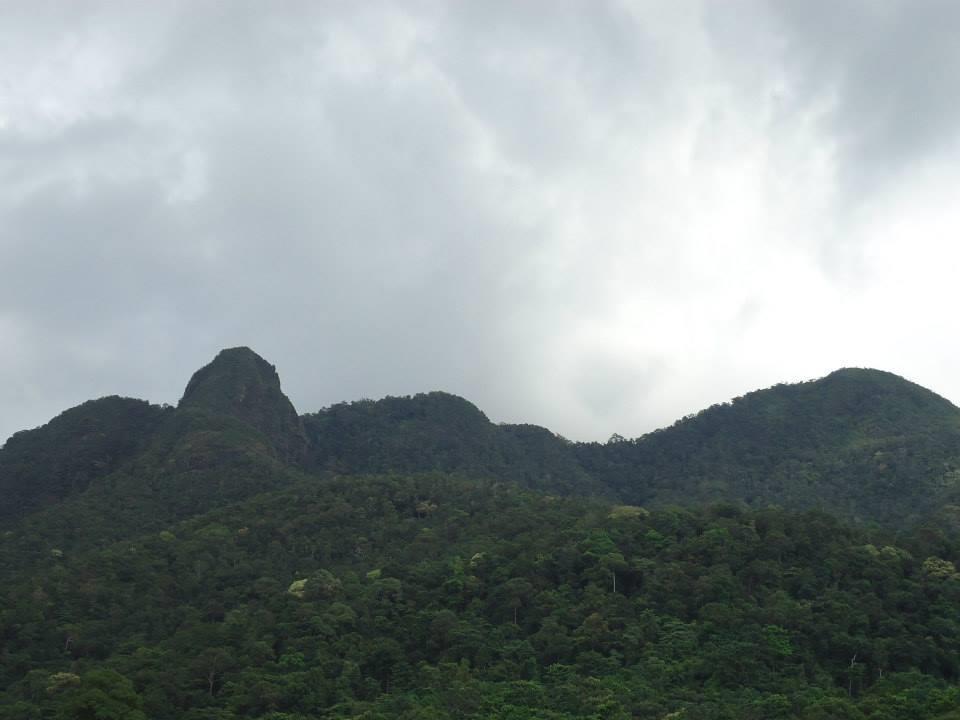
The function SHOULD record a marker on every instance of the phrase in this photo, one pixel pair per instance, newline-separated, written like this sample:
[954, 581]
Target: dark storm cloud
[557, 209]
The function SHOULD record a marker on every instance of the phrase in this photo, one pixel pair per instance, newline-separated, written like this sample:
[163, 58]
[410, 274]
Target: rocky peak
[240, 383]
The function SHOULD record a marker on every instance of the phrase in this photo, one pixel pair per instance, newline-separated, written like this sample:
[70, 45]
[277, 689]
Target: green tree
[101, 695]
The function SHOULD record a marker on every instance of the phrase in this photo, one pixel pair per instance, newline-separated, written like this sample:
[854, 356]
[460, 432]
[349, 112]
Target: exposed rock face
[241, 384]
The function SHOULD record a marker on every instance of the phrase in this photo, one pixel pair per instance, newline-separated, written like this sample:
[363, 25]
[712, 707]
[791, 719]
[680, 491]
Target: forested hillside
[41, 467]
[442, 432]
[865, 444]
[433, 597]
[408, 558]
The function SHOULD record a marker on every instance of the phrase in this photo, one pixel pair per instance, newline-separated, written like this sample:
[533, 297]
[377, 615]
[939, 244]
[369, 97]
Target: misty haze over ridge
[596, 218]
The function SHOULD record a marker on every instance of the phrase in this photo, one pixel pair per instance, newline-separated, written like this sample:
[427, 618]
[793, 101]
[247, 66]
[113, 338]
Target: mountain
[791, 554]
[441, 432]
[864, 444]
[42, 467]
[114, 468]
[239, 383]
[116, 464]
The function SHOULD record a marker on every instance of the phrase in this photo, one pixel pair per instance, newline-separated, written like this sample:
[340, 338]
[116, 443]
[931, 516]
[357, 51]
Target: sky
[593, 215]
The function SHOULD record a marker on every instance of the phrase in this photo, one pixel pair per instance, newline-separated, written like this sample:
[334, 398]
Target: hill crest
[864, 443]
[241, 384]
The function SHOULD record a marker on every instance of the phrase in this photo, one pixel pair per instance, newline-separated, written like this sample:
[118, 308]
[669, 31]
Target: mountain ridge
[855, 441]
[865, 443]
[419, 561]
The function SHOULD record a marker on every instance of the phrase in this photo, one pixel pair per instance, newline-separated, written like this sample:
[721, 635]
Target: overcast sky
[594, 216]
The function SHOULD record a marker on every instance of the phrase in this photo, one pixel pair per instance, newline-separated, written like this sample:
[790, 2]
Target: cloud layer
[593, 216]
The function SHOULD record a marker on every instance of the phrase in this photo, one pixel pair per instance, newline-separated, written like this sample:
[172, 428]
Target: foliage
[407, 558]
[864, 444]
[44, 466]
[441, 432]
[498, 603]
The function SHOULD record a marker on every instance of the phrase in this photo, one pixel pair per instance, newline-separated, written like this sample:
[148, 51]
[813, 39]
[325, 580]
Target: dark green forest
[791, 554]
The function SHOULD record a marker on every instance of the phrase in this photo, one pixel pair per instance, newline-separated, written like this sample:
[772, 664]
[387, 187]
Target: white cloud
[597, 217]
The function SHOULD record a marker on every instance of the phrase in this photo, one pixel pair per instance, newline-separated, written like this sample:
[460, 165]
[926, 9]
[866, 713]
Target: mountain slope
[241, 384]
[436, 597]
[227, 559]
[441, 432]
[866, 444]
[42, 467]
[234, 434]
[863, 443]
